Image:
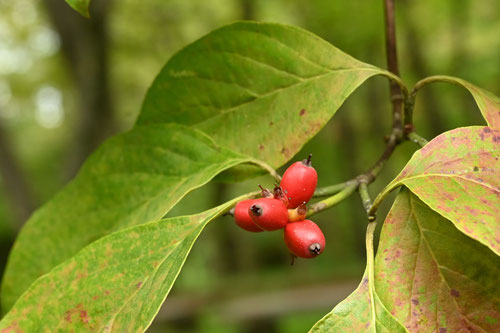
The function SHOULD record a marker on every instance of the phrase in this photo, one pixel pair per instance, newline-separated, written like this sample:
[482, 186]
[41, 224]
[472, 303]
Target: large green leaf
[133, 178]
[81, 6]
[431, 276]
[116, 284]
[488, 103]
[355, 314]
[457, 175]
[260, 89]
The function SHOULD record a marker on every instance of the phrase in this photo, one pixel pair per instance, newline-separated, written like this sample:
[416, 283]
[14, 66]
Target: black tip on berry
[256, 210]
[315, 248]
[308, 160]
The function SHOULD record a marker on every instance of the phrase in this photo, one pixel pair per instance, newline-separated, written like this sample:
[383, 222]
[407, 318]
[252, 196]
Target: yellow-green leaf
[135, 177]
[260, 89]
[356, 314]
[457, 175]
[81, 6]
[116, 284]
[431, 276]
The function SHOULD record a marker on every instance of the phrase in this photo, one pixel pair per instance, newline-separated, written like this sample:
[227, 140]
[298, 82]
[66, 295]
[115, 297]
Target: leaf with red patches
[355, 314]
[133, 178]
[123, 296]
[431, 276]
[457, 174]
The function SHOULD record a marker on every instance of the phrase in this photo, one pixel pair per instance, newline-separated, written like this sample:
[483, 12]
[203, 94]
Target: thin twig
[333, 200]
[397, 97]
[365, 199]
[332, 189]
[414, 137]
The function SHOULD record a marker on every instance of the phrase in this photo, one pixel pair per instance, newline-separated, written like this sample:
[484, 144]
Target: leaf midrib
[453, 176]
[235, 108]
[435, 261]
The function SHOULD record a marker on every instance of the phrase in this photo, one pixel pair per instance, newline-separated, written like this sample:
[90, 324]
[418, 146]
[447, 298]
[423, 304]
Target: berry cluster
[285, 208]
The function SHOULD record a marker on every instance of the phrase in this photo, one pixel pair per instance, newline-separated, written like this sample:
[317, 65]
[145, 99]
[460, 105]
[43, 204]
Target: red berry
[299, 182]
[242, 217]
[304, 239]
[268, 213]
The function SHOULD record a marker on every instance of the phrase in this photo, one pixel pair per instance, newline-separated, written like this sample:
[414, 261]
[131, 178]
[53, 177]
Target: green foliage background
[228, 266]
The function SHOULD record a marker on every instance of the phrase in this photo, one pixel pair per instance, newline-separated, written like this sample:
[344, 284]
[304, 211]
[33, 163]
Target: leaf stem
[332, 189]
[414, 137]
[370, 230]
[268, 168]
[431, 79]
[365, 199]
[333, 200]
[410, 100]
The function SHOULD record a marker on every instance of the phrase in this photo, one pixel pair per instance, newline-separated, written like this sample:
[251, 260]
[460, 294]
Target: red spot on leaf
[71, 312]
[12, 328]
[261, 147]
[415, 301]
[107, 292]
[84, 317]
[442, 330]
[139, 284]
[454, 293]
[271, 123]
[302, 112]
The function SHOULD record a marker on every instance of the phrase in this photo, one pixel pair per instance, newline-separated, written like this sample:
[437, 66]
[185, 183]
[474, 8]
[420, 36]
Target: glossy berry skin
[299, 183]
[304, 239]
[242, 217]
[269, 213]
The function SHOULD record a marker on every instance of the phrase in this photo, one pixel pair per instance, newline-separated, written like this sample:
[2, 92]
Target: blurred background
[67, 83]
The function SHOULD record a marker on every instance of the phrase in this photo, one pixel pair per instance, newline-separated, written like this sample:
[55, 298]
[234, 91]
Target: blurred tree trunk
[16, 187]
[460, 21]
[85, 47]
[234, 254]
[247, 9]
[430, 103]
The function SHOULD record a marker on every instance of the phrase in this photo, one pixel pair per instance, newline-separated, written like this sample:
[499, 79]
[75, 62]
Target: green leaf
[133, 178]
[488, 103]
[81, 6]
[259, 89]
[431, 276]
[457, 175]
[355, 314]
[116, 284]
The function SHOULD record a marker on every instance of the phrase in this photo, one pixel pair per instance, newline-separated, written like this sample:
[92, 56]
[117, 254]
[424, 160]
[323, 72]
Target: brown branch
[392, 64]
[16, 187]
[398, 133]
